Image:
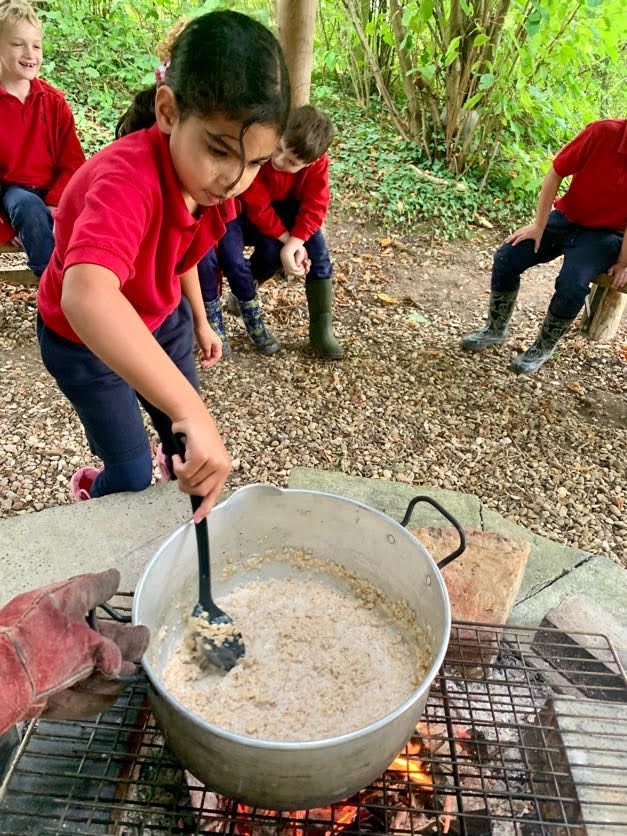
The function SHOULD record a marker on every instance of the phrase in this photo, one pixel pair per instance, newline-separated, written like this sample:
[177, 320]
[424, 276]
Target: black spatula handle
[202, 541]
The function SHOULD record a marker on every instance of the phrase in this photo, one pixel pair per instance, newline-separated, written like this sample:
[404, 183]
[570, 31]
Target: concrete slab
[122, 530]
[125, 529]
[600, 578]
[391, 497]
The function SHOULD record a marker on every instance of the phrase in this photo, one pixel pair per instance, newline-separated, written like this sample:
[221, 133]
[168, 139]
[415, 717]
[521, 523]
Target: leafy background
[442, 123]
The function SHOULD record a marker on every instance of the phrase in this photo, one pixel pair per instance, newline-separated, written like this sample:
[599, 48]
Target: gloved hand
[52, 661]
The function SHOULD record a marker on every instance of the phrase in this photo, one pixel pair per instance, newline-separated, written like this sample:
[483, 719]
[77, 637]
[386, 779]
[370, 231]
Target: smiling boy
[39, 149]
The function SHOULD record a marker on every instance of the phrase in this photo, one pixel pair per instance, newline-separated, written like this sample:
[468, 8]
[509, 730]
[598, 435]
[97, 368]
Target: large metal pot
[286, 775]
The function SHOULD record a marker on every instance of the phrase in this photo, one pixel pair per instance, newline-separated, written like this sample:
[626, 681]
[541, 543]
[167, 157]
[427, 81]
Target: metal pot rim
[326, 742]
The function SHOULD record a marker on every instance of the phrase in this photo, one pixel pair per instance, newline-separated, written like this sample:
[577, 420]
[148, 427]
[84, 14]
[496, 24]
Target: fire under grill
[525, 732]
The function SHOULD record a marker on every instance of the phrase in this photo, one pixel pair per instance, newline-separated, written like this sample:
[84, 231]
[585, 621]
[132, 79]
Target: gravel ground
[547, 452]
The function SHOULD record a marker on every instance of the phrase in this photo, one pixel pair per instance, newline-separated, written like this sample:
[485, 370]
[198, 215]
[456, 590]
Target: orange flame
[413, 769]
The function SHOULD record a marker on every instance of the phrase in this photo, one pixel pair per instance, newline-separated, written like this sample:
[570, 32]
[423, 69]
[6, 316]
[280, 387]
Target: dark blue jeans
[587, 252]
[241, 272]
[32, 220]
[209, 275]
[108, 407]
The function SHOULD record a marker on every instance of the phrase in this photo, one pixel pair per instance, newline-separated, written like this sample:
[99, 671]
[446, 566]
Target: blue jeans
[209, 275]
[241, 272]
[108, 407]
[32, 220]
[587, 252]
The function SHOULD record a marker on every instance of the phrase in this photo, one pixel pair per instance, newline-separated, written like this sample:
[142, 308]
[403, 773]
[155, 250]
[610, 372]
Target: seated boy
[39, 149]
[284, 209]
[587, 226]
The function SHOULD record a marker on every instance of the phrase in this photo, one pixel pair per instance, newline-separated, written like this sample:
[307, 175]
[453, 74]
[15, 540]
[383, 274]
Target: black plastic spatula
[215, 633]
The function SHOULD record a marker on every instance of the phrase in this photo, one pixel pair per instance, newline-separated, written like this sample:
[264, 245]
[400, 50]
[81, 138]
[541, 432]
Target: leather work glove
[52, 662]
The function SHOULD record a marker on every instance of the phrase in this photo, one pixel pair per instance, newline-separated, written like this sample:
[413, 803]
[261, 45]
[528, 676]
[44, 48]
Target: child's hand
[619, 273]
[210, 345]
[207, 462]
[531, 232]
[294, 257]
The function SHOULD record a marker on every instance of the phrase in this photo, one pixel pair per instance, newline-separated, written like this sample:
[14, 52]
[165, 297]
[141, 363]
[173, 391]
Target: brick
[482, 583]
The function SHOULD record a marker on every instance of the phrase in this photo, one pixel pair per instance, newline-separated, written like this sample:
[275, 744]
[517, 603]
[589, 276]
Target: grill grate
[517, 745]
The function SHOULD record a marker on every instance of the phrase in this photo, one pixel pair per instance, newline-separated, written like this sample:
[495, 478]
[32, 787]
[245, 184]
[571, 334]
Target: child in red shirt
[284, 209]
[586, 226]
[120, 299]
[39, 149]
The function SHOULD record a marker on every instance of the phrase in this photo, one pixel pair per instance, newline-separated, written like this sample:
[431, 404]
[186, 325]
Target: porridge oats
[319, 661]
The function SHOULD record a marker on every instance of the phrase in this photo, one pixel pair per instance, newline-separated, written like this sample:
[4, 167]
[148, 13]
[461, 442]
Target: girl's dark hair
[222, 62]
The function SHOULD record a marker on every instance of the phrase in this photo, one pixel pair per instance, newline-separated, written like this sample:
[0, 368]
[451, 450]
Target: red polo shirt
[124, 210]
[310, 186]
[38, 143]
[597, 159]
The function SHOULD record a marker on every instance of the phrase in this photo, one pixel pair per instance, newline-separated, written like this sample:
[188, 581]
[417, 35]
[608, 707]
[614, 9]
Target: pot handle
[111, 612]
[462, 534]
[134, 678]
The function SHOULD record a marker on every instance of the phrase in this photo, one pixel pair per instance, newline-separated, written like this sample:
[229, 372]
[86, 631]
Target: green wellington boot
[263, 339]
[213, 309]
[320, 301]
[552, 330]
[494, 332]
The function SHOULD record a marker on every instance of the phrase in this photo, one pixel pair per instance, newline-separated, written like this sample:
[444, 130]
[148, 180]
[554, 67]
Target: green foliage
[558, 64]
[379, 175]
[101, 52]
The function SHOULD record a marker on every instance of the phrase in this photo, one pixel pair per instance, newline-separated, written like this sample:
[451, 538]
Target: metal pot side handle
[462, 534]
[121, 618]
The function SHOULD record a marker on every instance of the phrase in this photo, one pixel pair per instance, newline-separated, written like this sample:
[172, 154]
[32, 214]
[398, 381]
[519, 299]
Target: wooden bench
[18, 274]
[604, 308]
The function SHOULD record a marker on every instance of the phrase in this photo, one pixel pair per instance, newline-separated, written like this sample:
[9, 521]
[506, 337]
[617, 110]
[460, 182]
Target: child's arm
[258, 203]
[535, 231]
[69, 155]
[209, 342]
[108, 324]
[314, 198]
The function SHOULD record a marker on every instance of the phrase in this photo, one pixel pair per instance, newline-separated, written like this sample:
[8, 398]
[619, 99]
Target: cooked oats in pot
[320, 661]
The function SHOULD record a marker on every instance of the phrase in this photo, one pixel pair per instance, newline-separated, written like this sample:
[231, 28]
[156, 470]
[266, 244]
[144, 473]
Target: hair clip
[160, 72]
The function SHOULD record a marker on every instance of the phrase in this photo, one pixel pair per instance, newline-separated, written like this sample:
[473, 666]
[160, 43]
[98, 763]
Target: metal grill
[531, 742]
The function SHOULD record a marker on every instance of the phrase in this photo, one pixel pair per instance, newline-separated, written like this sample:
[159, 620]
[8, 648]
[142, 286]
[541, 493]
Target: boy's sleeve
[258, 203]
[68, 151]
[314, 199]
[577, 152]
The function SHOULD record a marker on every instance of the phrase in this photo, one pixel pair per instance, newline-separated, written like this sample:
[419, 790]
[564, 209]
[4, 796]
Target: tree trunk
[606, 310]
[296, 34]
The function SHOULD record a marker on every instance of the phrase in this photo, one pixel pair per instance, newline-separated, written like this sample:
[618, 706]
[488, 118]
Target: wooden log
[604, 309]
[10, 248]
[18, 275]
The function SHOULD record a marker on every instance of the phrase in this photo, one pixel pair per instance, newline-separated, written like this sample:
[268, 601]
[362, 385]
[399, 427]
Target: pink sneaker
[81, 482]
[163, 464]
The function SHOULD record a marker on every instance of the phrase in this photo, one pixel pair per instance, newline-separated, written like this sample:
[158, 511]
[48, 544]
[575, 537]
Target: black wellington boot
[494, 332]
[552, 330]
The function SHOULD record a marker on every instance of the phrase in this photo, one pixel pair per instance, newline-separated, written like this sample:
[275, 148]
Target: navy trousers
[108, 407]
[587, 252]
[32, 220]
[209, 275]
[242, 273]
